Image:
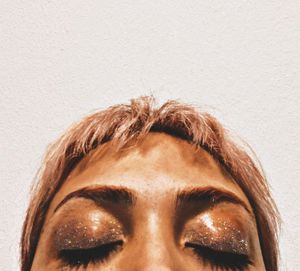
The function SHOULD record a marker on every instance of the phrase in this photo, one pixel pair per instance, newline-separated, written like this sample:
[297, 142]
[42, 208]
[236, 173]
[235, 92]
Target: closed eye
[220, 260]
[83, 257]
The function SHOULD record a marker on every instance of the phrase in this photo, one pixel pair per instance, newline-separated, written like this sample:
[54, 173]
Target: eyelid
[220, 230]
[111, 242]
[221, 248]
[83, 209]
[221, 260]
[230, 241]
[75, 258]
[80, 235]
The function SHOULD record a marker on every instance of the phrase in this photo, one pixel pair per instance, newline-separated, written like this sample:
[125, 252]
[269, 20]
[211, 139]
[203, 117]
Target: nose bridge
[155, 245]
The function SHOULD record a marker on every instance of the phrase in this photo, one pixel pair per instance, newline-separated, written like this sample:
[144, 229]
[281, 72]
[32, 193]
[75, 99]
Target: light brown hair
[130, 123]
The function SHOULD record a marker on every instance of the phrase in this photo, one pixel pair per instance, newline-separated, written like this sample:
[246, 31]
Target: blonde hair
[123, 123]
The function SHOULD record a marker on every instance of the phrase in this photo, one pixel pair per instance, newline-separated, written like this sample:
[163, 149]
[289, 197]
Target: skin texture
[152, 230]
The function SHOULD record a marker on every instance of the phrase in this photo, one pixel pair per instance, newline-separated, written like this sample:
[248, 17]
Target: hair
[126, 123]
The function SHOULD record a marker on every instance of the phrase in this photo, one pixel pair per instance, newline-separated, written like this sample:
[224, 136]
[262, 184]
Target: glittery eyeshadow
[219, 234]
[84, 234]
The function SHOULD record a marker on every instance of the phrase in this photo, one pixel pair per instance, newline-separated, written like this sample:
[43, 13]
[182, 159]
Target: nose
[153, 257]
[155, 247]
[157, 268]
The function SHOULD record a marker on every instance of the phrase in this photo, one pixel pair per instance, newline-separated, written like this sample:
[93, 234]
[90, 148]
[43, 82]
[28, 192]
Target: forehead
[159, 164]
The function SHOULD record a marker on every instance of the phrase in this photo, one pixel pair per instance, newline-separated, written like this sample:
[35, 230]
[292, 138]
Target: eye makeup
[218, 234]
[77, 235]
[87, 238]
[221, 239]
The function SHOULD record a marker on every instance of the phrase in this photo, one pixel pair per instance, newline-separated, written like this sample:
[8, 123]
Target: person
[140, 187]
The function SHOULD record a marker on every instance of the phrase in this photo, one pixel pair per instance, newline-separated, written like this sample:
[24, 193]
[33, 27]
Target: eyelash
[219, 260]
[76, 258]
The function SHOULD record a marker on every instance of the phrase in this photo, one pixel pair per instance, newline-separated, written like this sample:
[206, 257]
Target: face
[162, 205]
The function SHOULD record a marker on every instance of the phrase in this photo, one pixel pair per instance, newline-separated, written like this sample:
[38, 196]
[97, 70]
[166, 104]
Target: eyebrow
[102, 195]
[124, 196]
[209, 194]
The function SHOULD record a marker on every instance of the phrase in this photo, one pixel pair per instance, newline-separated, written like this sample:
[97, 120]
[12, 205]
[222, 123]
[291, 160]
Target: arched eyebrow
[102, 195]
[208, 194]
[127, 198]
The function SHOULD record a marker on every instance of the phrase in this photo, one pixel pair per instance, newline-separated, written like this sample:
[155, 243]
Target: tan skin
[160, 205]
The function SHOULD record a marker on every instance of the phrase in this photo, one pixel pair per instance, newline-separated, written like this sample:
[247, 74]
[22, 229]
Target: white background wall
[60, 60]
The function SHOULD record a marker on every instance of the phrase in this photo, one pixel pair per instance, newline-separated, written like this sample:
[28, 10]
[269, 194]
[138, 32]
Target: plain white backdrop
[60, 60]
